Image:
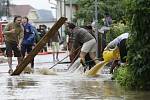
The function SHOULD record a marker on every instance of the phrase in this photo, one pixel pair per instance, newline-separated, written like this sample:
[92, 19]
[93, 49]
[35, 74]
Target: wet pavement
[63, 86]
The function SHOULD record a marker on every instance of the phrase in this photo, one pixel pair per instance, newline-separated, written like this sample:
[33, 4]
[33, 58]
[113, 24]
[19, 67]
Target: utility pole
[61, 10]
[64, 8]
[7, 7]
[98, 45]
[96, 28]
[70, 10]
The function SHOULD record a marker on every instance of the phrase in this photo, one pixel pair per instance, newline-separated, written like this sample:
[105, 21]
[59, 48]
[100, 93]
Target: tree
[139, 44]
[86, 12]
[136, 73]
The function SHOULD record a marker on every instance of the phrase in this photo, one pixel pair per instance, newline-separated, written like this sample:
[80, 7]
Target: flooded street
[58, 87]
[63, 86]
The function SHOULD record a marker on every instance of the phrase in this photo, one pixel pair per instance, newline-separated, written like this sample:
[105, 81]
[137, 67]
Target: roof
[45, 15]
[24, 10]
[21, 10]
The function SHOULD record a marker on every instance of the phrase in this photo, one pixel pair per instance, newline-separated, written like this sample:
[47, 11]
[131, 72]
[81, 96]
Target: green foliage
[86, 12]
[138, 69]
[139, 47]
[115, 30]
[124, 77]
[136, 74]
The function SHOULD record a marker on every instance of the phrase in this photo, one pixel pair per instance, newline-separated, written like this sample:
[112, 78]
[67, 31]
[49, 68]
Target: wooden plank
[39, 46]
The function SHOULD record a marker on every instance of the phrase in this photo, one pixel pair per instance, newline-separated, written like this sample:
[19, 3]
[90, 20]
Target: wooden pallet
[39, 46]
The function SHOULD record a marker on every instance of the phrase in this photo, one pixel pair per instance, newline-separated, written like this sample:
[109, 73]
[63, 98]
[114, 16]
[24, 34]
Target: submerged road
[63, 86]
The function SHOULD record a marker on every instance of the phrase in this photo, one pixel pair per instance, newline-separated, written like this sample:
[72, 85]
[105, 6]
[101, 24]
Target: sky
[38, 4]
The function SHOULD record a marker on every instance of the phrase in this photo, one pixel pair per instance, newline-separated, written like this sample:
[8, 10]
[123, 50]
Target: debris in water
[46, 71]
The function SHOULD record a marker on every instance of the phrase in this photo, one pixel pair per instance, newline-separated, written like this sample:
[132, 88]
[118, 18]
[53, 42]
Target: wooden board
[39, 46]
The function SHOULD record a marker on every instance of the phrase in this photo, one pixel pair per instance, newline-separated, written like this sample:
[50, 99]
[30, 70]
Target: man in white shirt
[120, 42]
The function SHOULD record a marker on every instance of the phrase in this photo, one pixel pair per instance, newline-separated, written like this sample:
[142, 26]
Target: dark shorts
[12, 48]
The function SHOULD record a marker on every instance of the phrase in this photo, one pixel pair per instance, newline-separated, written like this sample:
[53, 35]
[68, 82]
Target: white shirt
[117, 40]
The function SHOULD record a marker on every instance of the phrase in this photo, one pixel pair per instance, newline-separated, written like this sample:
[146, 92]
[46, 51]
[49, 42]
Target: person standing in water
[13, 33]
[55, 46]
[29, 38]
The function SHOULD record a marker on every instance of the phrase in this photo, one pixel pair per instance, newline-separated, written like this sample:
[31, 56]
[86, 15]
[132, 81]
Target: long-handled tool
[64, 58]
[74, 60]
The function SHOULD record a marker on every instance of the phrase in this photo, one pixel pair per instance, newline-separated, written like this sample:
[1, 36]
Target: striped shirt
[81, 36]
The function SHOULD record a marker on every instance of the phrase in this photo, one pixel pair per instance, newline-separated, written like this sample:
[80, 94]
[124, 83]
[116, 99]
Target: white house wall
[64, 10]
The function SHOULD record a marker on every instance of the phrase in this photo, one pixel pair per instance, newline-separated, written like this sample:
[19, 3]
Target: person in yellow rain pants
[108, 55]
[120, 43]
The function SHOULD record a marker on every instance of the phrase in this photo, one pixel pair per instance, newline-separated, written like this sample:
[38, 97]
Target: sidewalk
[50, 51]
[40, 61]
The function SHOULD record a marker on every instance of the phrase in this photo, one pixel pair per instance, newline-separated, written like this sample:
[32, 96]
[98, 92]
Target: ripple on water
[63, 86]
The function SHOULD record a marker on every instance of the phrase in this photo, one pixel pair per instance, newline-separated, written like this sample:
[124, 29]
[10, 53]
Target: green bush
[115, 30]
[124, 77]
[139, 47]
[137, 72]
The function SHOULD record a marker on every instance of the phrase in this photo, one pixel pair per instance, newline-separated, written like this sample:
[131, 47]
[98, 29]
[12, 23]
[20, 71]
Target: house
[22, 10]
[38, 17]
[44, 17]
[66, 8]
[71, 8]
[63, 8]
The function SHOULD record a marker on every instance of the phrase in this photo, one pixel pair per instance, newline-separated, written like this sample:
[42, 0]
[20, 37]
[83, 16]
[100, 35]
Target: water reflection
[64, 87]
[21, 82]
[88, 88]
[15, 86]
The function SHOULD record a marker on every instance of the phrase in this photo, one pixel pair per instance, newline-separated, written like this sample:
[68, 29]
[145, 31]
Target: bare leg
[9, 62]
[82, 56]
[93, 57]
[53, 56]
[57, 56]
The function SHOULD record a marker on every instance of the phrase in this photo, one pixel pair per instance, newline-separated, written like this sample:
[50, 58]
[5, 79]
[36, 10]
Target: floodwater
[64, 86]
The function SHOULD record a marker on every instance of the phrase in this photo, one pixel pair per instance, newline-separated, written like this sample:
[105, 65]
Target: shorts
[55, 46]
[12, 48]
[89, 46]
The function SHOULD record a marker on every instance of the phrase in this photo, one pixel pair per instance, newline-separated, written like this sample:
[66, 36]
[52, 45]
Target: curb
[45, 53]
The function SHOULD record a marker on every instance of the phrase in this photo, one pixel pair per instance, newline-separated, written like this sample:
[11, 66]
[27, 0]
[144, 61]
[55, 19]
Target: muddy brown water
[64, 86]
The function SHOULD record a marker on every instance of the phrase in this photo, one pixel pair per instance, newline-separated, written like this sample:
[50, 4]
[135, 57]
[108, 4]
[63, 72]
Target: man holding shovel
[82, 36]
